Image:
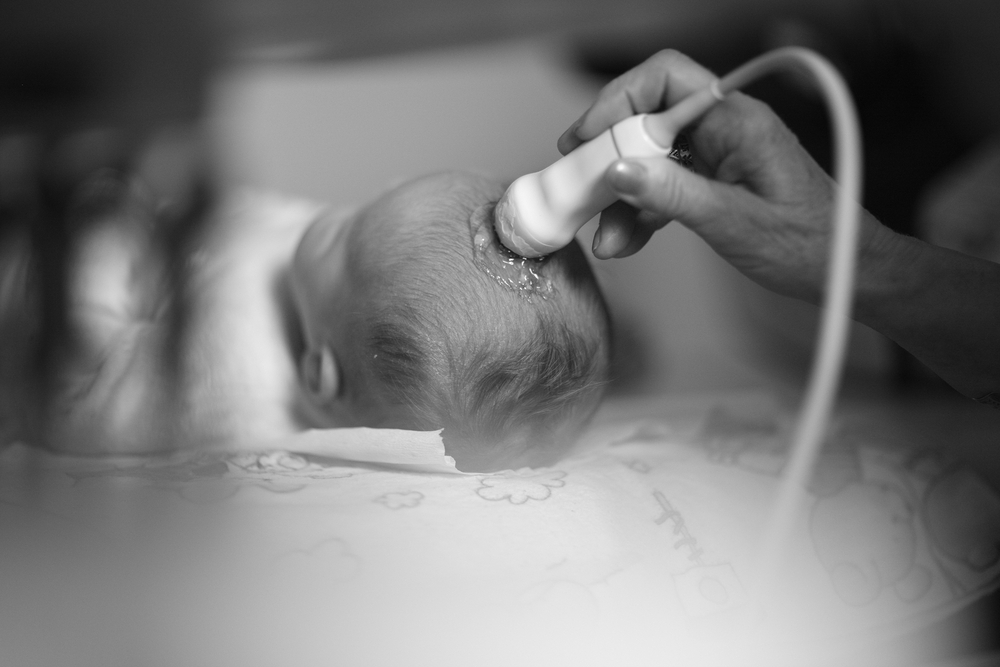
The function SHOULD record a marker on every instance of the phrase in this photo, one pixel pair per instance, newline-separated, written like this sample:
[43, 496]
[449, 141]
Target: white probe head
[526, 224]
[542, 212]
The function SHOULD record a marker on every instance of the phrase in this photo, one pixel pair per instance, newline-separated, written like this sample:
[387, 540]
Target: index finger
[660, 82]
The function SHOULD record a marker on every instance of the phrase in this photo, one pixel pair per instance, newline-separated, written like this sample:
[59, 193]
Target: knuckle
[757, 119]
[666, 57]
[665, 193]
[649, 83]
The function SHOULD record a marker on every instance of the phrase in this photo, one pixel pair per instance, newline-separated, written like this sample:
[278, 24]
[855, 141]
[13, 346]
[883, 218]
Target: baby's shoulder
[239, 375]
[250, 212]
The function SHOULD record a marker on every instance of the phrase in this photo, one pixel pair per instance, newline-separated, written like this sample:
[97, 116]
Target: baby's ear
[320, 374]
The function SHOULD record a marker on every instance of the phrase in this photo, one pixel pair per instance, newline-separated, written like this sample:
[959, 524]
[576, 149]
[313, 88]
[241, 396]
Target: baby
[414, 316]
[405, 314]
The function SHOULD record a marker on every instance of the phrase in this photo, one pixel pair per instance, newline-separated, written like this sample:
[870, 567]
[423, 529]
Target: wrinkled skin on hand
[760, 200]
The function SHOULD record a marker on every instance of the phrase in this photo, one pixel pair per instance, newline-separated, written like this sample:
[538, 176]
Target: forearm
[940, 305]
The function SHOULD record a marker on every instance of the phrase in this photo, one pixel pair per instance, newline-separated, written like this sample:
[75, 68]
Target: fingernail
[597, 241]
[627, 177]
[570, 133]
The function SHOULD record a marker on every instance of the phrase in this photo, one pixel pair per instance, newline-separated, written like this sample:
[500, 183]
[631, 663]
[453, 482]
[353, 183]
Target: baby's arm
[112, 393]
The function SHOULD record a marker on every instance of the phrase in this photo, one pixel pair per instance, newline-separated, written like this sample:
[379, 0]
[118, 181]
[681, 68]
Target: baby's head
[413, 316]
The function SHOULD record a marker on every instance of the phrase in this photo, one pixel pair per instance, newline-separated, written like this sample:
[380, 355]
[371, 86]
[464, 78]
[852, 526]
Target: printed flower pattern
[279, 461]
[286, 464]
[401, 499]
[214, 476]
[519, 486]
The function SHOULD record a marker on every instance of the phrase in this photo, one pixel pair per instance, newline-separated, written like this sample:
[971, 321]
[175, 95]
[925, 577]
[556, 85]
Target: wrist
[887, 274]
[938, 304]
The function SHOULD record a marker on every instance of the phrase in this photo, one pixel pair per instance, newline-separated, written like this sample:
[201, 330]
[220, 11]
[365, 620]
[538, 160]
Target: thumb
[666, 188]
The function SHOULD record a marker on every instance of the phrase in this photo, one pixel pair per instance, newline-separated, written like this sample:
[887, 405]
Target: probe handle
[550, 206]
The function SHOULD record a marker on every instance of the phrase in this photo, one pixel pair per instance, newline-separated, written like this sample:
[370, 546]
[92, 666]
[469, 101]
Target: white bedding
[636, 549]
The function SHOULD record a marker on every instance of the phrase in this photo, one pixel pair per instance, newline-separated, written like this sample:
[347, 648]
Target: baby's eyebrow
[525, 277]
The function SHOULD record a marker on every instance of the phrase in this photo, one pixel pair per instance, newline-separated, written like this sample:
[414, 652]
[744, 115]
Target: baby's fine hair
[501, 374]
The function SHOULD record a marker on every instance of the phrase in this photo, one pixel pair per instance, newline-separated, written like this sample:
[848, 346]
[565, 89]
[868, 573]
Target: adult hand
[763, 204]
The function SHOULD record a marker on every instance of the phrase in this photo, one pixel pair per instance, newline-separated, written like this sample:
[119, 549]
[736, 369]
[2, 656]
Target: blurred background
[336, 100]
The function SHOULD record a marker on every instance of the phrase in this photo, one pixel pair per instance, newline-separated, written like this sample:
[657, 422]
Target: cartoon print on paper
[961, 513]
[519, 486]
[755, 443]
[214, 476]
[685, 539]
[289, 465]
[283, 471]
[705, 588]
[889, 517]
[709, 589]
[400, 499]
[866, 539]
[760, 445]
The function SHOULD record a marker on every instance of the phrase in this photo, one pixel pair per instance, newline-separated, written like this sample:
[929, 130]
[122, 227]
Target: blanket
[367, 547]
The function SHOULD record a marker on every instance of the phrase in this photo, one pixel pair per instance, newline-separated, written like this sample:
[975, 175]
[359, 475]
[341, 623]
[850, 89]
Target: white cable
[828, 361]
[542, 212]
[824, 379]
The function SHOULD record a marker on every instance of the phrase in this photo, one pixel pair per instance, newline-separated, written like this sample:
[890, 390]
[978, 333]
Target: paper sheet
[416, 451]
[634, 550]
